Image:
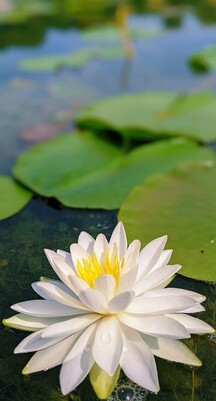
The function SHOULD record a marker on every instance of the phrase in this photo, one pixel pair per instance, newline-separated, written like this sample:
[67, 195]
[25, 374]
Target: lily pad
[156, 115]
[204, 60]
[86, 172]
[182, 205]
[60, 163]
[112, 33]
[13, 197]
[77, 59]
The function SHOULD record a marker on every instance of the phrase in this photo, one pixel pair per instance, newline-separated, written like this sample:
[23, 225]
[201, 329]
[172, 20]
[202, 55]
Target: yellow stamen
[90, 269]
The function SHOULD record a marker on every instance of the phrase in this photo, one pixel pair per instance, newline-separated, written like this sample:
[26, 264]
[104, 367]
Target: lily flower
[110, 310]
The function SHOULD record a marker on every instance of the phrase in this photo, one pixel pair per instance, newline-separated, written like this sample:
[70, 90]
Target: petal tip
[46, 251]
[15, 307]
[5, 323]
[25, 371]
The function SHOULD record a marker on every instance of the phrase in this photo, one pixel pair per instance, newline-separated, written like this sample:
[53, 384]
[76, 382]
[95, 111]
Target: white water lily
[110, 309]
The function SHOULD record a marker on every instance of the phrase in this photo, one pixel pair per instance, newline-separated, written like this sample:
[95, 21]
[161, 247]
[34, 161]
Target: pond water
[33, 105]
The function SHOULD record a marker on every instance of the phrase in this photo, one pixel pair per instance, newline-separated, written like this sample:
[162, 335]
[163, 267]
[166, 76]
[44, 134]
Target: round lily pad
[77, 59]
[182, 205]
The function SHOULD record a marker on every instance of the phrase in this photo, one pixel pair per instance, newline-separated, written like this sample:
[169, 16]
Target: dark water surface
[33, 99]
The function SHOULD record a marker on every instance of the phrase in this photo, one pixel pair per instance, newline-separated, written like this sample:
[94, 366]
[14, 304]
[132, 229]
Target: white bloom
[109, 309]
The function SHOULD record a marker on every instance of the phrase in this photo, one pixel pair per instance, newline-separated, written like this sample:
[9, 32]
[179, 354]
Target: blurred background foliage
[33, 17]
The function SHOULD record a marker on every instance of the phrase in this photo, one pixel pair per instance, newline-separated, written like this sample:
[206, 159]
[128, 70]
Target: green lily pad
[156, 115]
[182, 205]
[86, 172]
[77, 59]
[112, 33]
[62, 162]
[204, 60]
[13, 197]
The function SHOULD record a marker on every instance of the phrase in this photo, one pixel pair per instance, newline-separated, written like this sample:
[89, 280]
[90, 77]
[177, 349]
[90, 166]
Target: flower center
[90, 269]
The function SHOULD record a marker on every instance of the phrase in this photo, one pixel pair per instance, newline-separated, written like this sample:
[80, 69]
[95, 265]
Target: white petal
[94, 300]
[58, 284]
[164, 283]
[66, 256]
[83, 343]
[70, 278]
[34, 342]
[137, 360]
[107, 345]
[74, 371]
[119, 238]
[172, 350]
[155, 279]
[50, 255]
[176, 291]
[127, 280]
[43, 308]
[163, 259]
[30, 323]
[60, 267]
[70, 326]
[120, 302]
[78, 254]
[193, 309]
[106, 284]
[192, 324]
[149, 255]
[131, 256]
[86, 241]
[155, 325]
[100, 247]
[158, 305]
[40, 291]
[59, 295]
[113, 252]
[49, 357]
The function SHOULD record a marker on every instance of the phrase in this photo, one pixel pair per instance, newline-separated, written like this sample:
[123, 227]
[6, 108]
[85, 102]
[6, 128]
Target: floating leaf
[84, 171]
[13, 197]
[77, 59]
[182, 205]
[204, 60]
[112, 33]
[154, 115]
[51, 167]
